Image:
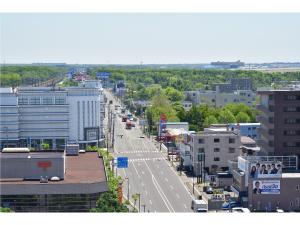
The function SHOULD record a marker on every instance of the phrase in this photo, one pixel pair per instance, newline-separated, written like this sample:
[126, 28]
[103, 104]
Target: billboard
[266, 187]
[265, 170]
[103, 75]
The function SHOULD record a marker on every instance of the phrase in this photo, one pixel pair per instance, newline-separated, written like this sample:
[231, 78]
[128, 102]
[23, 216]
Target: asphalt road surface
[150, 175]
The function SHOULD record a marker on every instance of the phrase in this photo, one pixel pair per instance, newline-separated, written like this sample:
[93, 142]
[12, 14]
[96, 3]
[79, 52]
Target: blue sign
[103, 75]
[122, 162]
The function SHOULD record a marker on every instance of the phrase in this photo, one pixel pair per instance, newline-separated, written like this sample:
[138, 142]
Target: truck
[124, 118]
[199, 205]
[128, 125]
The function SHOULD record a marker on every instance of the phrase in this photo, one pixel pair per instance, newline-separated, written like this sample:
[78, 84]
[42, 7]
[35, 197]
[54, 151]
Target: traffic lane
[173, 186]
[139, 184]
[154, 196]
[175, 192]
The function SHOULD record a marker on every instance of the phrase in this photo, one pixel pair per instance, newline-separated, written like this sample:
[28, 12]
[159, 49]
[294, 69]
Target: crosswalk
[137, 152]
[146, 159]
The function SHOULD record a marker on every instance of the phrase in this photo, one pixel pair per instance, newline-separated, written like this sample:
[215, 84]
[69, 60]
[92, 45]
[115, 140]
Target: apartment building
[211, 149]
[220, 99]
[280, 121]
[31, 116]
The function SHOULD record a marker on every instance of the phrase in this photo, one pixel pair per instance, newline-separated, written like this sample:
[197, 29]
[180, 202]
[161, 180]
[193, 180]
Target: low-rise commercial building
[51, 181]
[265, 183]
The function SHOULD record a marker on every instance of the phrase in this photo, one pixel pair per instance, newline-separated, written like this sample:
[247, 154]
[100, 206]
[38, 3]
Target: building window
[216, 140]
[271, 119]
[291, 144]
[35, 101]
[297, 202]
[271, 97]
[291, 121]
[200, 150]
[271, 143]
[271, 108]
[291, 132]
[291, 109]
[23, 101]
[297, 187]
[231, 140]
[216, 150]
[271, 131]
[47, 100]
[216, 159]
[292, 97]
[231, 150]
[201, 157]
[60, 101]
[201, 141]
[291, 203]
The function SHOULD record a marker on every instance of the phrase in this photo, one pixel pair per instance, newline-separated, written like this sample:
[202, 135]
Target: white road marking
[184, 205]
[160, 191]
[135, 169]
[143, 172]
[146, 192]
[177, 195]
[166, 179]
[150, 201]
[171, 186]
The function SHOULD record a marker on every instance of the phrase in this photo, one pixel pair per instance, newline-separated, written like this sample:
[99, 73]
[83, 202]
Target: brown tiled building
[280, 121]
[30, 187]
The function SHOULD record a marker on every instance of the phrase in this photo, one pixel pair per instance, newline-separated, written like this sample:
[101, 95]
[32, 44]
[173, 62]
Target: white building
[31, 116]
[220, 99]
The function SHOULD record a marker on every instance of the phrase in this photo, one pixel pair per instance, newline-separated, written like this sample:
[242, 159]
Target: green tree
[211, 119]
[243, 118]
[173, 94]
[108, 202]
[226, 116]
[45, 146]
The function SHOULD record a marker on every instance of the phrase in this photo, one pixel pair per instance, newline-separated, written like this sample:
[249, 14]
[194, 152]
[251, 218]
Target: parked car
[240, 210]
[132, 124]
[230, 205]
[209, 190]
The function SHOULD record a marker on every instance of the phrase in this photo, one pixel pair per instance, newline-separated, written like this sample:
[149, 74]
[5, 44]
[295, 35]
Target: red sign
[163, 117]
[44, 164]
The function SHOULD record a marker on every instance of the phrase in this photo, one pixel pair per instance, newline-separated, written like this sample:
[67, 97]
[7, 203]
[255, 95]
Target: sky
[151, 38]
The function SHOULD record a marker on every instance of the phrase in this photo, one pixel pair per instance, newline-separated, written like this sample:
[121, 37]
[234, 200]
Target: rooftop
[85, 168]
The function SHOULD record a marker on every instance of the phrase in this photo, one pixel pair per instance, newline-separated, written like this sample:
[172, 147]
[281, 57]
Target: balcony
[265, 133]
[265, 110]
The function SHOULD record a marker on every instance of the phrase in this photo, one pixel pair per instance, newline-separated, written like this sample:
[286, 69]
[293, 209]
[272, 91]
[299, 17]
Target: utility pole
[127, 188]
[113, 131]
[139, 202]
[144, 206]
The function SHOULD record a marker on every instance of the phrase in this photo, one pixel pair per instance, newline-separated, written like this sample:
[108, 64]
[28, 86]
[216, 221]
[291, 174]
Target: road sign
[122, 162]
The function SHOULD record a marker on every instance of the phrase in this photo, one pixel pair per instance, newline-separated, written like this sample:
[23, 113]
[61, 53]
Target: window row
[230, 150]
[217, 140]
[42, 101]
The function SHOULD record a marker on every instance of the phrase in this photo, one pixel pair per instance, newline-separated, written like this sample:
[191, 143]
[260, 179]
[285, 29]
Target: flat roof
[85, 168]
[290, 175]
[38, 155]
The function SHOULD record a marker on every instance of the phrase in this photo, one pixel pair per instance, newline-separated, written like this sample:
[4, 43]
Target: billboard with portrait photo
[265, 170]
[266, 187]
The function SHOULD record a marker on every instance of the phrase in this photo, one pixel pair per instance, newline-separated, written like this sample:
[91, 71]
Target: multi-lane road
[150, 175]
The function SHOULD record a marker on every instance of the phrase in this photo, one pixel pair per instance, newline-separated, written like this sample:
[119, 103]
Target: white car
[240, 210]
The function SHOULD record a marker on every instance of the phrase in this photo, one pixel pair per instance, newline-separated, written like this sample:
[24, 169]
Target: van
[199, 205]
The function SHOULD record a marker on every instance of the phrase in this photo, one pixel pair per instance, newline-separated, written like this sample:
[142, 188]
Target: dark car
[209, 190]
[230, 205]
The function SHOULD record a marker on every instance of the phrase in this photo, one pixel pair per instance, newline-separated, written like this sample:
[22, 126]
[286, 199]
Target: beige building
[211, 150]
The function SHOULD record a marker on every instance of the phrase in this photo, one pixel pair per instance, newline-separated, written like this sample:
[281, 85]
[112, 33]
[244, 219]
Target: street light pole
[139, 202]
[127, 188]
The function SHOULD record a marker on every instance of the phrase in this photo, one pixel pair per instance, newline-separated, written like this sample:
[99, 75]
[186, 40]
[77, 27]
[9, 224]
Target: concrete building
[220, 99]
[187, 105]
[31, 116]
[269, 191]
[235, 84]
[211, 150]
[280, 121]
[51, 182]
